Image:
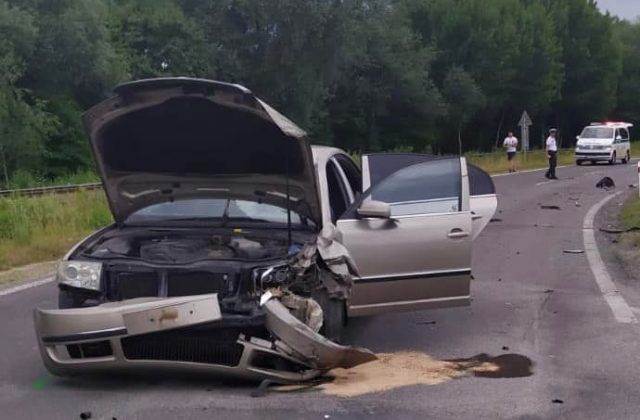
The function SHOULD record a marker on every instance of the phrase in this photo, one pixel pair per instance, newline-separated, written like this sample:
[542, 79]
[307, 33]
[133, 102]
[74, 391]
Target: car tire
[334, 315]
[626, 158]
[613, 159]
[579, 162]
[67, 300]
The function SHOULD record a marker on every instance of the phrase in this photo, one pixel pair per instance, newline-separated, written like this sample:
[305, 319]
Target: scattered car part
[299, 341]
[573, 251]
[606, 183]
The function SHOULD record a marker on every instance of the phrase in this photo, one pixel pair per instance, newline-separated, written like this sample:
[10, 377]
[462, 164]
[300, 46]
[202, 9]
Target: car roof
[611, 124]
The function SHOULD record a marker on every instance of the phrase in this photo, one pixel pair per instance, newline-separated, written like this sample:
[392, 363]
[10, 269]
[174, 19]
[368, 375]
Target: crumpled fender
[301, 342]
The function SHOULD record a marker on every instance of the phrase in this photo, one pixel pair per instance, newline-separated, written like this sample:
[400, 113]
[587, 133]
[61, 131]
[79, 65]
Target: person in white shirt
[511, 146]
[551, 147]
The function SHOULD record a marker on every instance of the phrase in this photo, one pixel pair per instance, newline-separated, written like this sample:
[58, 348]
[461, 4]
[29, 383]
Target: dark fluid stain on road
[502, 366]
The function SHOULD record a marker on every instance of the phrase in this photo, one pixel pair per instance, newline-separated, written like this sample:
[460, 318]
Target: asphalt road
[529, 297]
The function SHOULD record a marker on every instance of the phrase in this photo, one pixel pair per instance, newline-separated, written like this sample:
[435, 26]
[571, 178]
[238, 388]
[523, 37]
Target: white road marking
[26, 286]
[620, 308]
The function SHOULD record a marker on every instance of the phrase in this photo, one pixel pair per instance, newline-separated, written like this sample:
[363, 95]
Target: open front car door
[410, 233]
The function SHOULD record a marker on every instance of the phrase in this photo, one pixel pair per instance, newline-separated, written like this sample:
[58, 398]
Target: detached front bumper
[185, 334]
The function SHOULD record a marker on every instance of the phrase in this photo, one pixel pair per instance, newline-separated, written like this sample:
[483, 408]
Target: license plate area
[176, 315]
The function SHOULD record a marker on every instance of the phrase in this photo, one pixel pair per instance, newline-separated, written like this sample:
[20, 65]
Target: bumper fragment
[300, 341]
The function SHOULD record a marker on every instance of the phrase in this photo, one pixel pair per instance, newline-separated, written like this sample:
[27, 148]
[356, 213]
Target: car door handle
[457, 233]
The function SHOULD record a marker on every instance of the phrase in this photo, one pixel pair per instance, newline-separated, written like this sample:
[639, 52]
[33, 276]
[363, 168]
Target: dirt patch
[28, 272]
[396, 370]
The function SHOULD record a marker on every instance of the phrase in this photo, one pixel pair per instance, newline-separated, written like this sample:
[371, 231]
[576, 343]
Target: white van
[606, 142]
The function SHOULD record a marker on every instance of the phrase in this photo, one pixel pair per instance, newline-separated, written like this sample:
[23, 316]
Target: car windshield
[597, 133]
[213, 209]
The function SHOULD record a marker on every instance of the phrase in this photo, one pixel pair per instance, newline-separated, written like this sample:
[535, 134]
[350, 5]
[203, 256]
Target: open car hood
[168, 139]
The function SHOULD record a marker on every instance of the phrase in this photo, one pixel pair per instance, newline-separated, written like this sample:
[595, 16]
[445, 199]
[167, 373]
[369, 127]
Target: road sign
[524, 124]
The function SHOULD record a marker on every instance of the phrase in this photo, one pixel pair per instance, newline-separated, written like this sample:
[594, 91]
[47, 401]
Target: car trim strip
[89, 335]
[413, 276]
[409, 302]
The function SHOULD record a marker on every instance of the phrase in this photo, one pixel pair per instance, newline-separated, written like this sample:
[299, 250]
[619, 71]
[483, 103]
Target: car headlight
[273, 276]
[81, 274]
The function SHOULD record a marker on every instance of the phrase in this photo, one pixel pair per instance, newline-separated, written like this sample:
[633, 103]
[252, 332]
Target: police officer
[551, 147]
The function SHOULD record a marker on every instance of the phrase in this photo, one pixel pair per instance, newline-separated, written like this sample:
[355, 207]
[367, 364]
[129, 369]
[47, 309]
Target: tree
[464, 98]
[156, 38]
[24, 125]
[592, 58]
[628, 108]
[73, 54]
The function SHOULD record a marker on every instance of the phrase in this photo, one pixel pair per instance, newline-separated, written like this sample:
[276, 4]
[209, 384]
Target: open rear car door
[418, 255]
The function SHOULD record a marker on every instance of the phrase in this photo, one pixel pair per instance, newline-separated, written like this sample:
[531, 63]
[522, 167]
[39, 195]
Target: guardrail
[56, 189]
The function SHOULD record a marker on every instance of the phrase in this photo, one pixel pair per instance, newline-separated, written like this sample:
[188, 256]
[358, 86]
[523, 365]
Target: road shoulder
[27, 274]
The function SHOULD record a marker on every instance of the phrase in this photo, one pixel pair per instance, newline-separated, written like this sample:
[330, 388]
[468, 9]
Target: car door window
[480, 182]
[351, 172]
[338, 195]
[424, 188]
[624, 133]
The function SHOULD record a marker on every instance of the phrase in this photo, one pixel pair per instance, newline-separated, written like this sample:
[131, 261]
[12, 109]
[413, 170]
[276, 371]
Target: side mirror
[618, 138]
[374, 209]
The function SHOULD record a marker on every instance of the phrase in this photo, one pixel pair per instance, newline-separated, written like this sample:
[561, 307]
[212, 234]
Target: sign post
[524, 124]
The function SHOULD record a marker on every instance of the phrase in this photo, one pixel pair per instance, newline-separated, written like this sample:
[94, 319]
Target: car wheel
[579, 162]
[626, 158]
[334, 315]
[67, 300]
[613, 159]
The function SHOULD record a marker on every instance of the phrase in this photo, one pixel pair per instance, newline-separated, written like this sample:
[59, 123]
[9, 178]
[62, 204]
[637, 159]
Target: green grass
[34, 229]
[495, 163]
[23, 179]
[630, 218]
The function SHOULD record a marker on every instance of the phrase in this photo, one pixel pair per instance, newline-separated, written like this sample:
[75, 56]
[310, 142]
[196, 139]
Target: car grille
[186, 283]
[218, 347]
[131, 284]
[593, 153]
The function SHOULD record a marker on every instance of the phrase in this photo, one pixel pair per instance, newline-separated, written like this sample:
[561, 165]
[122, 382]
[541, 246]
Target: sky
[626, 9]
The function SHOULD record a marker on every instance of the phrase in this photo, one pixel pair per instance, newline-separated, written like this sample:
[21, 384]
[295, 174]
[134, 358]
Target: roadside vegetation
[23, 179]
[34, 229]
[495, 163]
[630, 219]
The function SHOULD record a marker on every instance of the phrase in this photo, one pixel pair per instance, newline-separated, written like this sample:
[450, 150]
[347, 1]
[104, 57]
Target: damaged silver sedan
[240, 249]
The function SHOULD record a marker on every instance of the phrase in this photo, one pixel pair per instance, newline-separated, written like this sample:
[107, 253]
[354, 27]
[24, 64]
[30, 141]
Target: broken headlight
[81, 274]
[274, 276]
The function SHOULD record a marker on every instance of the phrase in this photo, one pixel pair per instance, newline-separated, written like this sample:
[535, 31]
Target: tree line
[364, 75]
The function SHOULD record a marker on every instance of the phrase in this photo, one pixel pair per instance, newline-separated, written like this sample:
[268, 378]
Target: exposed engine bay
[166, 246]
